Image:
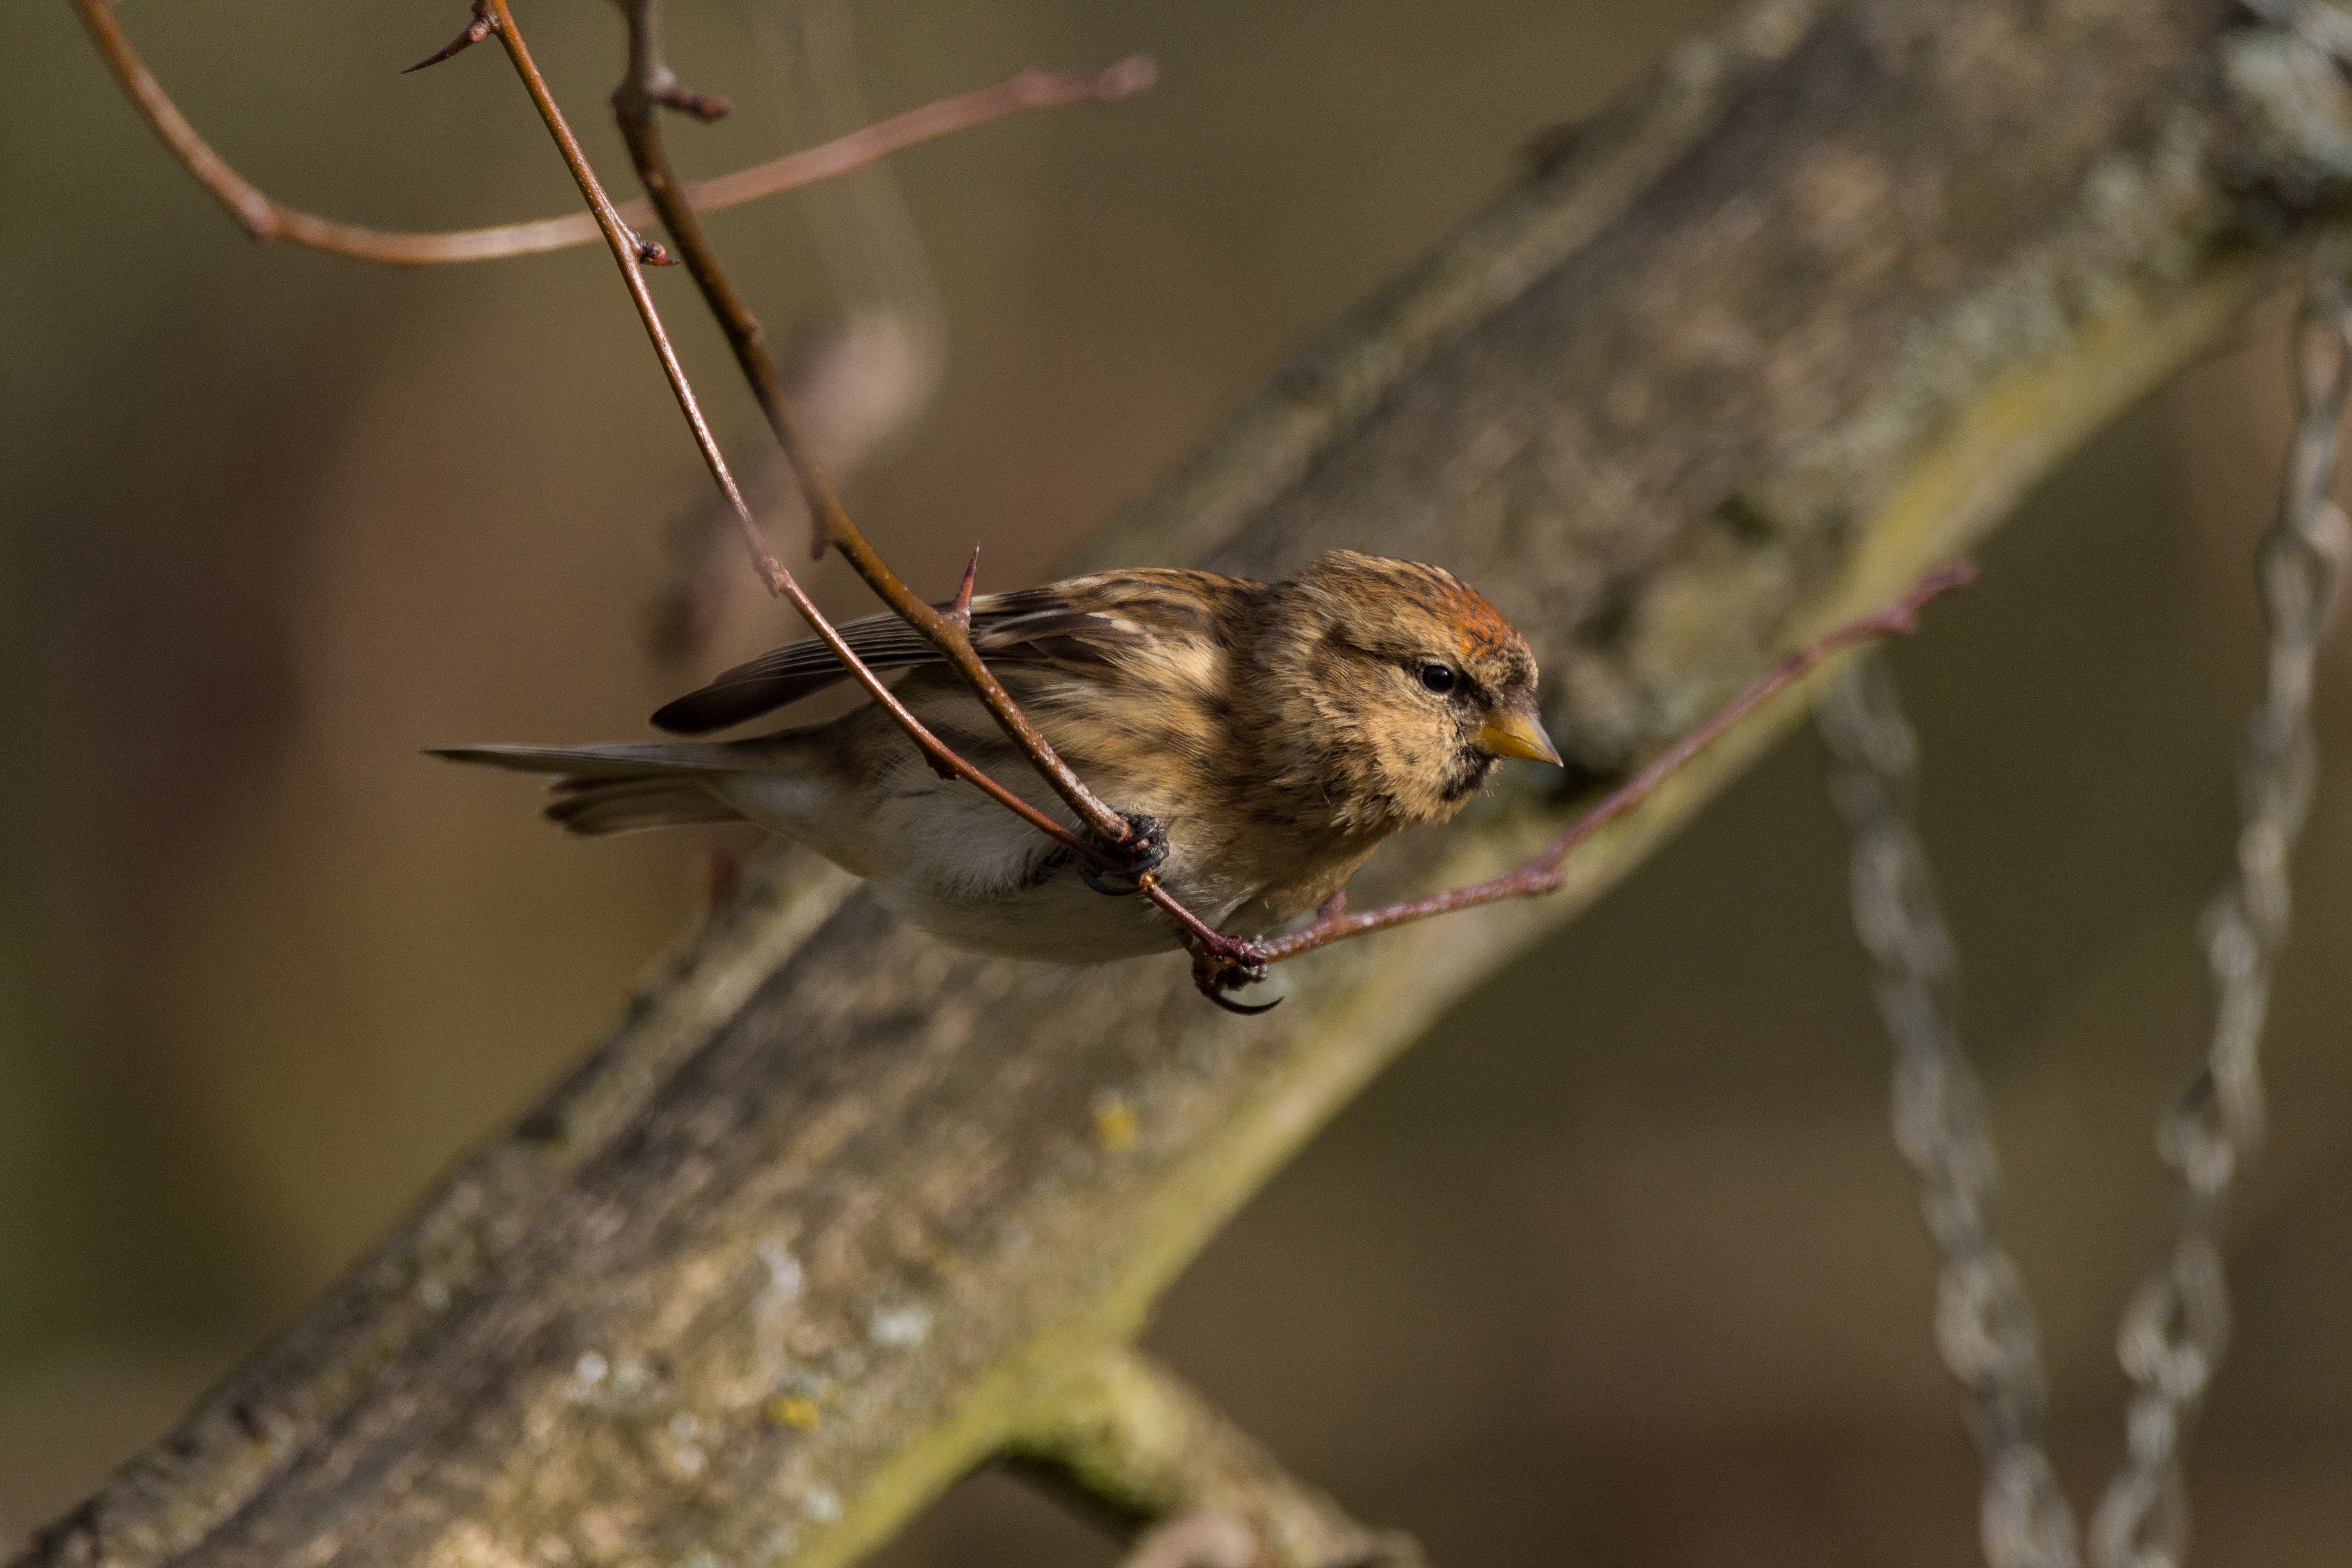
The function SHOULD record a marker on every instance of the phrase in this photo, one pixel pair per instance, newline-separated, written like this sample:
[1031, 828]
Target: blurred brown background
[1618, 1266]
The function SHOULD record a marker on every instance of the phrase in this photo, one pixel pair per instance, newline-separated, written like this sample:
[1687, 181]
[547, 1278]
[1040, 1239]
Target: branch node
[650, 252]
[705, 107]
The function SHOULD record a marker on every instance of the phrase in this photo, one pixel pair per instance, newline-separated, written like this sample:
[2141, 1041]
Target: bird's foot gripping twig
[1229, 963]
[1220, 963]
[1146, 847]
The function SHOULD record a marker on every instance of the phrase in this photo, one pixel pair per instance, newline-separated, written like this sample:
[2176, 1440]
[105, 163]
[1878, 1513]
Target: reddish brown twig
[627, 248]
[267, 220]
[1222, 963]
[1027, 90]
[636, 104]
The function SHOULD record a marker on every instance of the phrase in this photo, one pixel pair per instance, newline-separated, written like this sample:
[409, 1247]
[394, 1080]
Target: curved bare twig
[265, 219]
[638, 105]
[630, 253]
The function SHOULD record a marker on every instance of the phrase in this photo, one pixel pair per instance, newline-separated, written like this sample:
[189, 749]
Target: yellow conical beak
[1511, 734]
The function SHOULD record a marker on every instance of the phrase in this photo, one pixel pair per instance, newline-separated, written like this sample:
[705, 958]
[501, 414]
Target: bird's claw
[1228, 967]
[1148, 843]
[1246, 1009]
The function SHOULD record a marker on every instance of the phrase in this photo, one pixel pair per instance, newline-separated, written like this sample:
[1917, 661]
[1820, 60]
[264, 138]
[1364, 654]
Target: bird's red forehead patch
[1477, 623]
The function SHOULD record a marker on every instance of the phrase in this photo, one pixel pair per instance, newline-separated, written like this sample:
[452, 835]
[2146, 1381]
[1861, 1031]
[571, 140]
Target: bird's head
[1396, 690]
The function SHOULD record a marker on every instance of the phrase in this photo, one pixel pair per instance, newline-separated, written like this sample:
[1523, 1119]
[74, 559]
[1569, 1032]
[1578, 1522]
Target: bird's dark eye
[1438, 678]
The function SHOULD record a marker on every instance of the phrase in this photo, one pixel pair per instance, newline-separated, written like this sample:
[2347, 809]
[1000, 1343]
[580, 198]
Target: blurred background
[1618, 1265]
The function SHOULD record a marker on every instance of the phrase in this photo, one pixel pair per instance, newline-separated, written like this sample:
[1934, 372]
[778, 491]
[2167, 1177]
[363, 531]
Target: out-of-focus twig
[1202, 1540]
[860, 374]
[859, 379]
[628, 253]
[265, 219]
[637, 103]
[1125, 1433]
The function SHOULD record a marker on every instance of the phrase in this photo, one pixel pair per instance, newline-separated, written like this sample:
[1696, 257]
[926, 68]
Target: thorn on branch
[482, 27]
[960, 611]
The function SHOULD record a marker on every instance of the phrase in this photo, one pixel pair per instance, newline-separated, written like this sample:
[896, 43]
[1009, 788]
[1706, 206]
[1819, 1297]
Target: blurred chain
[2323, 27]
[2176, 1327]
[2178, 1324]
[1984, 1326]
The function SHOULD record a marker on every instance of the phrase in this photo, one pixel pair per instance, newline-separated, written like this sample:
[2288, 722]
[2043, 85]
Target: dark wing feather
[785, 675]
[1033, 624]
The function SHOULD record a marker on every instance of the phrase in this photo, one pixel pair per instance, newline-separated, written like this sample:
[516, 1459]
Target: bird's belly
[1057, 920]
[959, 866]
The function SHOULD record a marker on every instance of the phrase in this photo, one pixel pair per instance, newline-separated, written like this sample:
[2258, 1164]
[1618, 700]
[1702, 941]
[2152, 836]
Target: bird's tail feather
[624, 759]
[618, 788]
[596, 807]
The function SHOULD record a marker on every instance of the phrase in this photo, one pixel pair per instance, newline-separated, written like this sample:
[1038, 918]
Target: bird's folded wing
[1032, 626]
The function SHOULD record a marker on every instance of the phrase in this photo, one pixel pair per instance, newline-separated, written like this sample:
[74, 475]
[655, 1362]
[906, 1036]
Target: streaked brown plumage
[1278, 732]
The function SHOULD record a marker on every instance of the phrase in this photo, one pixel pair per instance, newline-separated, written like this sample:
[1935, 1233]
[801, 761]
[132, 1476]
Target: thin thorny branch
[1120, 852]
[637, 104]
[629, 252]
[266, 220]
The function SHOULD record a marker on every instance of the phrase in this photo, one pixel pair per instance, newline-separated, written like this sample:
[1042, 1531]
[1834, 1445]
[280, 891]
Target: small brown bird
[1277, 731]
